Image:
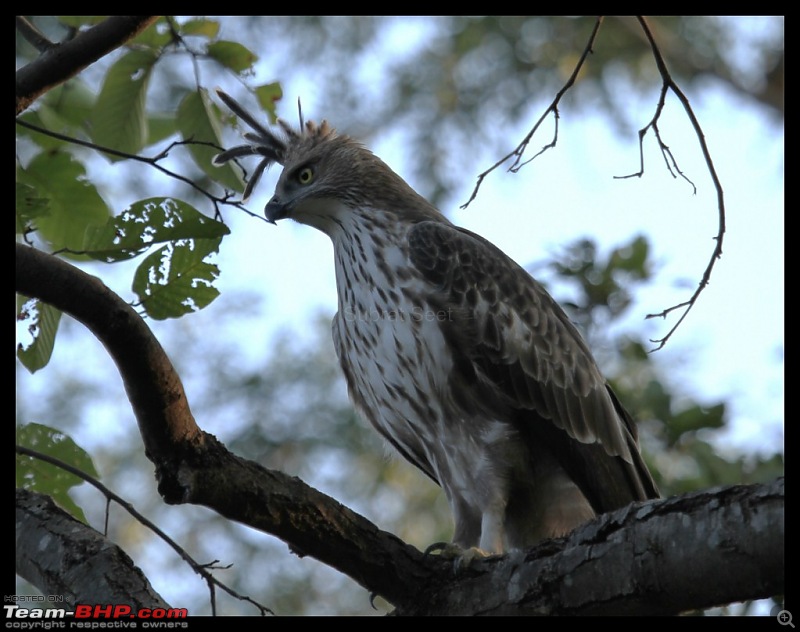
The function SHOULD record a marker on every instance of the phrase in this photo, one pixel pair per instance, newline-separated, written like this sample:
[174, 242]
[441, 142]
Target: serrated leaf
[118, 119]
[74, 203]
[198, 119]
[201, 27]
[39, 476]
[232, 55]
[147, 222]
[268, 95]
[176, 280]
[42, 325]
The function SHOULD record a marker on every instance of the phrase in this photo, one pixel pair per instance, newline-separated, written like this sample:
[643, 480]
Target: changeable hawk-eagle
[453, 352]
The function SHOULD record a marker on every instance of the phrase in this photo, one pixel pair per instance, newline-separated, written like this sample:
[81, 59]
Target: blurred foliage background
[448, 86]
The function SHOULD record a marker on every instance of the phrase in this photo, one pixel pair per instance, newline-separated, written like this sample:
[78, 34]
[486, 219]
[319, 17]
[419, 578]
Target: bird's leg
[491, 542]
[492, 530]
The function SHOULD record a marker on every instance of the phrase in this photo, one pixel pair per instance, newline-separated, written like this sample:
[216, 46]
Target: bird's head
[326, 178]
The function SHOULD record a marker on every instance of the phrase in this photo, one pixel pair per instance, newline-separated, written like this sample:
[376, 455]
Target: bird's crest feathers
[275, 148]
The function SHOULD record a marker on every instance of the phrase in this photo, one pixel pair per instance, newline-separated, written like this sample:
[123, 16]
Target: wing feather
[530, 360]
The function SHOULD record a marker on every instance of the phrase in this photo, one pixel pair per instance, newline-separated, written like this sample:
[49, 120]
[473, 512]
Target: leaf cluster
[61, 206]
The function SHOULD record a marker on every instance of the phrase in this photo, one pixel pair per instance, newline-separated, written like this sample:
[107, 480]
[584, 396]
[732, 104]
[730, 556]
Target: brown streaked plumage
[454, 353]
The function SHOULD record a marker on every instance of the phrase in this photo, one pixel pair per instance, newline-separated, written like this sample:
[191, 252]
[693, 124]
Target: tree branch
[668, 83]
[520, 149]
[33, 35]
[153, 161]
[656, 558]
[64, 557]
[63, 61]
[192, 466]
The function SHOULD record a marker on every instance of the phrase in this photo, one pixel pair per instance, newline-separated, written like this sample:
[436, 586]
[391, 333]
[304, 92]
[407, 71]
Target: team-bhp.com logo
[86, 611]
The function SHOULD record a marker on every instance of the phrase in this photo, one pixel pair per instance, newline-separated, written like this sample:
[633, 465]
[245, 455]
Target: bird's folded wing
[524, 351]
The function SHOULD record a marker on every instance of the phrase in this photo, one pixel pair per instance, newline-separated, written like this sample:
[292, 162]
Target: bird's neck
[367, 243]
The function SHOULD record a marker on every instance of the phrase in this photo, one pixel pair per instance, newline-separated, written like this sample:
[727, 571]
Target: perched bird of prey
[452, 351]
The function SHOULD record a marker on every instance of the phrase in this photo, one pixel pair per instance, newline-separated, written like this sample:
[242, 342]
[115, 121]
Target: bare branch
[520, 149]
[669, 159]
[63, 61]
[669, 84]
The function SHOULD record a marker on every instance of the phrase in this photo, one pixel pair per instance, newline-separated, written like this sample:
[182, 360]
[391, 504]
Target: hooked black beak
[275, 210]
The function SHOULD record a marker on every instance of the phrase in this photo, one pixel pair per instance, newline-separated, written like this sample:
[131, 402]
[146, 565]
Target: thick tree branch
[63, 61]
[635, 561]
[153, 386]
[65, 558]
[192, 466]
[656, 558]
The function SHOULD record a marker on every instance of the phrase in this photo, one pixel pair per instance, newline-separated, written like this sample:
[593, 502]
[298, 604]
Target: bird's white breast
[393, 343]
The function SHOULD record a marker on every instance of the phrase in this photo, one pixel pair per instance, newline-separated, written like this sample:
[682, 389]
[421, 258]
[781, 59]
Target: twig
[152, 161]
[520, 149]
[198, 568]
[32, 35]
[668, 83]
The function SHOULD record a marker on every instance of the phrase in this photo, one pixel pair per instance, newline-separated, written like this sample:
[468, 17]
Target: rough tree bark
[62, 556]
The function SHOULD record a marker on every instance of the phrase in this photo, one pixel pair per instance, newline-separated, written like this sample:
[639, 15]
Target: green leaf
[67, 107]
[176, 280]
[232, 55]
[156, 36]
[36, 475]
[268, 95]
[29, 206]
[74, 203]
[161, 126]
[199, 120]
[43, 320]
[42, 140]
[118, 119]
[145, 223]
[201, 27]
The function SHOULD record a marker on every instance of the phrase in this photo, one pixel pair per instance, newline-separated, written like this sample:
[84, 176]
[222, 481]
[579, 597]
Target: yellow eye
[305, 176]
